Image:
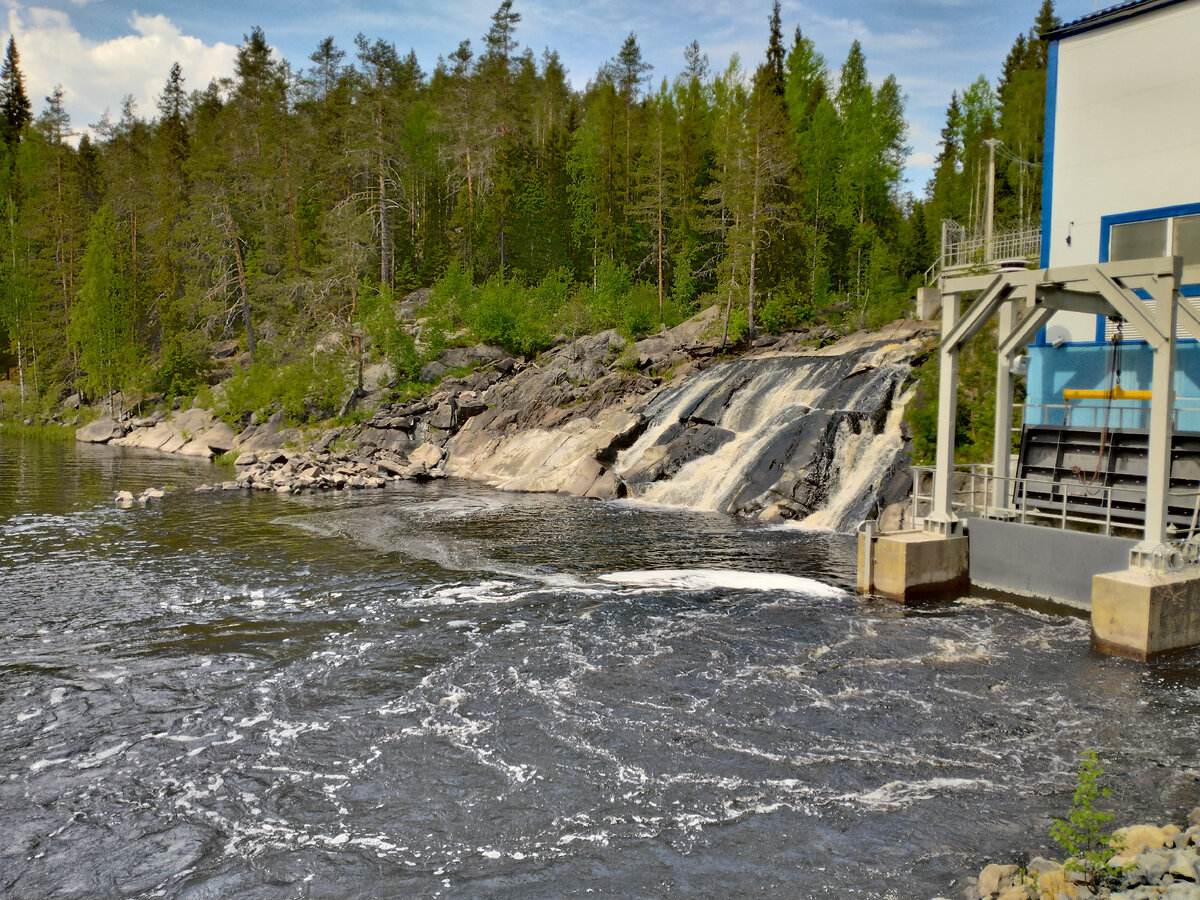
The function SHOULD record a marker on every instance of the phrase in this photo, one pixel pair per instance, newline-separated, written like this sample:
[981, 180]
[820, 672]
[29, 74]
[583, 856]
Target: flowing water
[444, 691]
[780, 414]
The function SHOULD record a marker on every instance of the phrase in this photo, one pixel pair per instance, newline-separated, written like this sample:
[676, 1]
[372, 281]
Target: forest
[289, 208]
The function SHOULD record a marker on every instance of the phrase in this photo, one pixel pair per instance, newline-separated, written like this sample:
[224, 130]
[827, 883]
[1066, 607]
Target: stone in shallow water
[1183, 864]
[100, 432]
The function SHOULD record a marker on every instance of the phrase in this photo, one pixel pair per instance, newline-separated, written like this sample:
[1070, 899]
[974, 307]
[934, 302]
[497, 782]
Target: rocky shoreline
[1155, 862]
[558, 423]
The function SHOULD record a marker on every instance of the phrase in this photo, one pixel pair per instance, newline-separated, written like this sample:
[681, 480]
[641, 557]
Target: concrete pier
[1138, 613]
[909, 565]
[1141, 614]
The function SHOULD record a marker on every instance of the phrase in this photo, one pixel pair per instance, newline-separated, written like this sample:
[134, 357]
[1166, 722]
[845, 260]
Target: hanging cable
[1114, 383]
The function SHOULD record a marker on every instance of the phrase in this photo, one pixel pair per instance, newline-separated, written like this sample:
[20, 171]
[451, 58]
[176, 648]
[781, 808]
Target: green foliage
[525, 320]
[739, 326]
[920, 416]
[306, 389]
[183, 366]
[102, 319]
[1084, 835]
[42, 431]
[785, 310]
[387, 334]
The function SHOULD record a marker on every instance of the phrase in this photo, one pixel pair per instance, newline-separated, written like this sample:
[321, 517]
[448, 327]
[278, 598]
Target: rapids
[448, 691]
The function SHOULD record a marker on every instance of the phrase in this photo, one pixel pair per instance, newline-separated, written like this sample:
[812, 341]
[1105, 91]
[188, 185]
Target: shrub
[1083, 835]
[182, 367]
[305, 389]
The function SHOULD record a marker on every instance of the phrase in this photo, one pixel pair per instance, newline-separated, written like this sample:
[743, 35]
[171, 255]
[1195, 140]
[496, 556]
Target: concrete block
[1142, 614]
[929, 303]
[910, 564]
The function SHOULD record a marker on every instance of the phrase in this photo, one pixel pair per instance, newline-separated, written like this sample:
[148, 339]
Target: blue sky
[102, 50]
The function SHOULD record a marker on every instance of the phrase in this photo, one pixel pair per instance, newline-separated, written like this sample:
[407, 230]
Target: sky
[103, 50]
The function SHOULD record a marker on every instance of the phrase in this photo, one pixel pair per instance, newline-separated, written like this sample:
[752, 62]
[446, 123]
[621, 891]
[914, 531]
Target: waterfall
[814, 439]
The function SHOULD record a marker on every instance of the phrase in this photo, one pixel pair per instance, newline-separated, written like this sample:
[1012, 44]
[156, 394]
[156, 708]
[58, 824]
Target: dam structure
[1099, 508]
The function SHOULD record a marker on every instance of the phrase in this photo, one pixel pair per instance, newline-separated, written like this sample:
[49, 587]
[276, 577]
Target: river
[446, 691]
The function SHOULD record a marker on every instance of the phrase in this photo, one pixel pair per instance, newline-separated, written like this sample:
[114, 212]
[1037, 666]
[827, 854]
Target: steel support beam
[1165, 292]
[941, 519]
[1002, 436]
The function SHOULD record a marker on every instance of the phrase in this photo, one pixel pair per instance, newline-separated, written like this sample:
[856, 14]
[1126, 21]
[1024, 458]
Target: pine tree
[627, 71]
[654, 184]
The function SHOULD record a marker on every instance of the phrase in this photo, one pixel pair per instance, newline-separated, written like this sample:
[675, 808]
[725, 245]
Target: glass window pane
[1138, 240]
[1186, 242]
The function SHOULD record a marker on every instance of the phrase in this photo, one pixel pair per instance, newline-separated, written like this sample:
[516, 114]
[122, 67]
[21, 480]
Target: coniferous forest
[289, 208]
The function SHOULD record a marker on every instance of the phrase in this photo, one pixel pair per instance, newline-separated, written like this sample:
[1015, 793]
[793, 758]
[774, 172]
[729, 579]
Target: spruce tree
[15, 109]
[773, 71]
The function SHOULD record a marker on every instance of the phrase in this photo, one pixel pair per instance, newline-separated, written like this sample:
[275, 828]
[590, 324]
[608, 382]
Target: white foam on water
[707, 579]
[895, 794]
[94, 759]
[47, 763]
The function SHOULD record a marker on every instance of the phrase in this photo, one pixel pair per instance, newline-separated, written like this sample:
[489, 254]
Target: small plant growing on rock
[1084, 835]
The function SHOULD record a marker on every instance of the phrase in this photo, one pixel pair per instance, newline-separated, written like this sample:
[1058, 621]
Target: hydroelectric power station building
[1100, 507]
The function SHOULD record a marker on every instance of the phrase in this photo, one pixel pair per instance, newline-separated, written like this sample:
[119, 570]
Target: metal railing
[963, 250]
[1097, 414]
[1061, 504]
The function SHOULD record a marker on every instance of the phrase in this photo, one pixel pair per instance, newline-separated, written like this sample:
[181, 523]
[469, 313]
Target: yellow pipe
[1117, 393]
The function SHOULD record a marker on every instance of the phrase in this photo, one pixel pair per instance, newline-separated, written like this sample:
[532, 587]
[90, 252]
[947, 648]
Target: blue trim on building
[1142, 215]
[1048, 149]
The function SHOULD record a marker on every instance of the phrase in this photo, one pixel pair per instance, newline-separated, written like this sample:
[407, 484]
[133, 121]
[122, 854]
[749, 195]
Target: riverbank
[1152, 862]
[796, 431]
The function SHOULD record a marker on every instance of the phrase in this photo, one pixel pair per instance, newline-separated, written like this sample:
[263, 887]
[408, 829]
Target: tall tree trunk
[293, 227]
[728, 308]
[12, 233]
[385, 255]
[243, 289]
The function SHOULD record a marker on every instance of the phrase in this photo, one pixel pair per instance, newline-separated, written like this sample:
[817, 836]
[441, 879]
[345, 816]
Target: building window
[1151, 238]
[1186, 240]
[1138, 240]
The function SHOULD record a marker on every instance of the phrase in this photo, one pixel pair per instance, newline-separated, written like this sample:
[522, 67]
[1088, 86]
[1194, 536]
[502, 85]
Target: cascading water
[816, 439]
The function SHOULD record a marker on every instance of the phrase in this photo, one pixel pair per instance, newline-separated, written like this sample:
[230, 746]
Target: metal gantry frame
[1024, 300]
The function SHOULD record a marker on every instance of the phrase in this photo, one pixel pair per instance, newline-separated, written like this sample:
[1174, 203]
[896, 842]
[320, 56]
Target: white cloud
[921, 160]
[97, 75]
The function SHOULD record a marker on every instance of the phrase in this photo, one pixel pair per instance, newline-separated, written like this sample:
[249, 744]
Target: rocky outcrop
[191, 432]
[1150, 862]
[787, 431]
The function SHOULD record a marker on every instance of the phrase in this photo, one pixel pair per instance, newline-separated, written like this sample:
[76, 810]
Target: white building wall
[1126, 109]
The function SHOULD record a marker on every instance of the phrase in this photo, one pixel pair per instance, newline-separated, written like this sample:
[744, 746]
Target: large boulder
[100, 431]
[480, 354]
[152, 438]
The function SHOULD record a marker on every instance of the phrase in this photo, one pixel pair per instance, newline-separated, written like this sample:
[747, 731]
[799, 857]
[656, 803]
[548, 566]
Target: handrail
[977, 492]
[1097, 416]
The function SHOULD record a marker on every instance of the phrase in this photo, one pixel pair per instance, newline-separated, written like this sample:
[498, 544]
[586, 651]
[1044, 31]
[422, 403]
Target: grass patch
[38, 431]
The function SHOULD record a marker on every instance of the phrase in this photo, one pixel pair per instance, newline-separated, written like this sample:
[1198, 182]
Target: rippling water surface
[444, 691]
